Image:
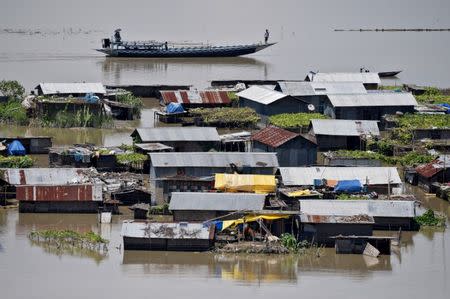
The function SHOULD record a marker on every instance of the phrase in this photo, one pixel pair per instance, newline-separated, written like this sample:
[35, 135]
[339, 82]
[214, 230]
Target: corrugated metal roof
[165, 230]
[261, 95]
[297, 88]
[344, 127]
[304, 176]
[274, 136]
[366, 78]
[71, 88]
[207, 201]
[177, 134]
[214, 159]
[42, 176]
[374, 208]
[153, 147]
[373, 99]
[356, 219]
[196, 97]
[434, 167]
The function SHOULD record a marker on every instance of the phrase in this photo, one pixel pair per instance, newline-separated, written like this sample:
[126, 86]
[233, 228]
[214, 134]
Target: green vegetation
[16, 162]
[159, 209]
[429, 218]
[12, 89]
[13, 112]
[294, 120]
[126, 147]
[232, 95]
[410, 159]
[390, 87]
[131, 158]
[228, 117]
[290, 242]
[424, 121]
[345, 196]
[82, 118]
[64, 239]
[129, 99]
[433, 95]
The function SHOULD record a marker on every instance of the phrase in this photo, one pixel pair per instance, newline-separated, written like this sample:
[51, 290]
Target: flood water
[53, 41]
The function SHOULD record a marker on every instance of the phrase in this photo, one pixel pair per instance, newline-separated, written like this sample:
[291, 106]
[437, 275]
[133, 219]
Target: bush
[129, 99]
[294, 120]
[131, 158]
[12, 89]
[16, 162]
[13, 112]
[429, 218]
[82, 118]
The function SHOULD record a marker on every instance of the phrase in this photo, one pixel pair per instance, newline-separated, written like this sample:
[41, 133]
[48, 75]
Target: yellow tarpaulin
[245, 183]
[251, 218]
[299, 193]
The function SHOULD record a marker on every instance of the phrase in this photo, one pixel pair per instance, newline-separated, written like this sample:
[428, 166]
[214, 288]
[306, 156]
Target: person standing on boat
[166, 46]
[266, 36]
[117, 36]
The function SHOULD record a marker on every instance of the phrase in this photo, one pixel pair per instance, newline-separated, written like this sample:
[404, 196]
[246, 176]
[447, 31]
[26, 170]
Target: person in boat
[117, 36]
[166, 46]
[266, 36]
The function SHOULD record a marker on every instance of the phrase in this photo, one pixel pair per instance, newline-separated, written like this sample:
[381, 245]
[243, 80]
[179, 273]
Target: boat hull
[227, 51]
[388, 74]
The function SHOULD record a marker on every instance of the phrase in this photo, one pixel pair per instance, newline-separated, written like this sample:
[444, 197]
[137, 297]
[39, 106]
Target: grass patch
[227, 117]
[16, 162]
[294, 120]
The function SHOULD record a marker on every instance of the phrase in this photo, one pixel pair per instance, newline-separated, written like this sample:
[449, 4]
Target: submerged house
[333, 134]
[181, 139]
[70, 89]
[173, 236]
[377, 179]
[319, 229]
[370, 106]
[203, 206]
[369, 80]
[268, 102]
[292, 149]
[53, 190]
[32, 145]
[194, 171]
[437, 171]
[196, 98]
[387, 214]
[315, 93]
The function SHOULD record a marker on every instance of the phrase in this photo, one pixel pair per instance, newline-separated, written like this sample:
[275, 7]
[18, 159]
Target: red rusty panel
[274, 136]
[55, 193]
[207, 97]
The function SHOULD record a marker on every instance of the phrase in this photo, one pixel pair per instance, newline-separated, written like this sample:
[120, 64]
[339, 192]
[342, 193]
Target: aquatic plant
[16, 162]
[130, 99]
[409, 159]
[159, 209]
[226, 116]
[430, 219]
[130, 158]
[294, 120]
[12, 89]
[433, 95]
[290, 242]
[64, 239]
[82, 118]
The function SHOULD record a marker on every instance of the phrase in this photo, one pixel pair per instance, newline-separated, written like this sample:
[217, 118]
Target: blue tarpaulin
[16, 148]
[348, 186]
[174, 108]
[445, 105]
[91, 98]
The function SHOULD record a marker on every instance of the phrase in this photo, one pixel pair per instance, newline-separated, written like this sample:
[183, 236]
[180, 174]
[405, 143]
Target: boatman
[266, 36]
[117, 36]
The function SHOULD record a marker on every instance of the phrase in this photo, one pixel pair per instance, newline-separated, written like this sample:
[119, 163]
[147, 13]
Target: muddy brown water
[418, 268]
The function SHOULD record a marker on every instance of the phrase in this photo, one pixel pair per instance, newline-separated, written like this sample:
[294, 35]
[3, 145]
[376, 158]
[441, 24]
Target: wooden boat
[388, 74]
[119, 48]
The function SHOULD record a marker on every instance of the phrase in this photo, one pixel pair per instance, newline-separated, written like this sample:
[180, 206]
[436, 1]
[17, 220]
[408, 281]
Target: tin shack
[181, 139]
[70, 89]
[194, 171]
[343, 134]
[315, 93]
[292, 149]
[437, 171]
[203, 206]
[196, 98]
[369, 80]
[387, 214]
[377, 179]
[370, 106]
[268, 102]
[174, 236]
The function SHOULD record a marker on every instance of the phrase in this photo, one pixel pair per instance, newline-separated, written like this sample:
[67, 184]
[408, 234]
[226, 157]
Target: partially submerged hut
[203, 206]
[32, 145]
[370, 80]
[181, 139]
[196, 98]
[387, 214]
[378, 179]
[268, 102]
[194, 171]
[293, 149]
[315, 93]
[174, 236]
[437, 171]
[70, 89]
[370, 106]
[343, 134]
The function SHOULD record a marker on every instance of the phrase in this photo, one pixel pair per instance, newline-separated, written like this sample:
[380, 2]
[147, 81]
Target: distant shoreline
[394, 30]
